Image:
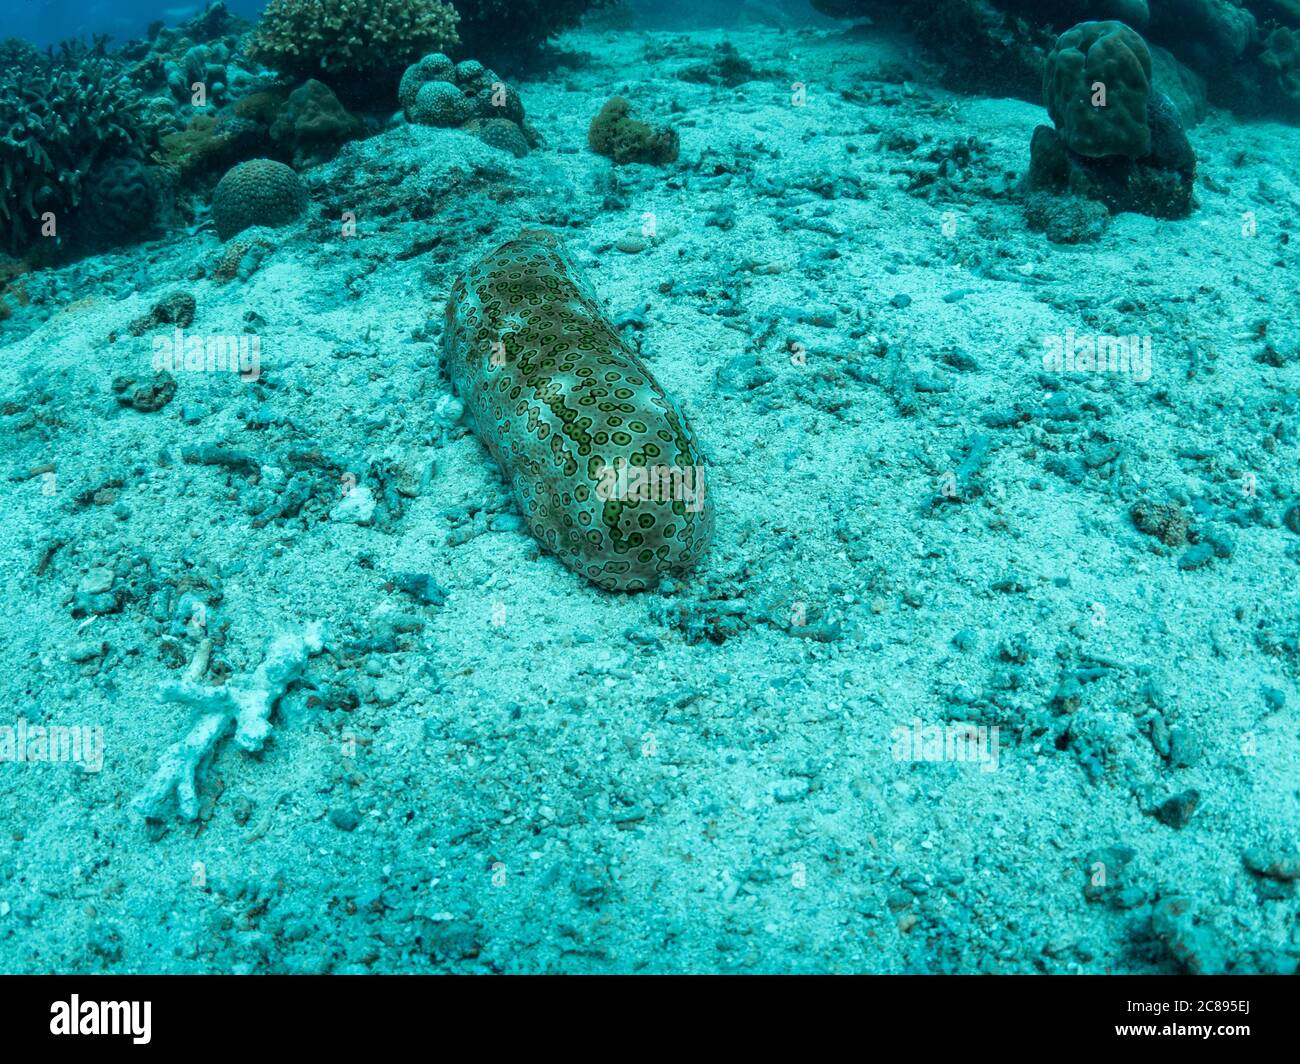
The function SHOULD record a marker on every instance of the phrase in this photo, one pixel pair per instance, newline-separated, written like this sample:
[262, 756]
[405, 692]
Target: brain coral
[257, 192]
[313, 38]
[123, 200]
[1096, 85]
[606, 470]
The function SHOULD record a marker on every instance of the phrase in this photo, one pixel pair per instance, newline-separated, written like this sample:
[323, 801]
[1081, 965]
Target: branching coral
[348, 38]
[60, 117]
[246, 706]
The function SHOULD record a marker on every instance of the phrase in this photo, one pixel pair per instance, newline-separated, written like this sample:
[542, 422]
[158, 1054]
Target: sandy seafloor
[535, 776]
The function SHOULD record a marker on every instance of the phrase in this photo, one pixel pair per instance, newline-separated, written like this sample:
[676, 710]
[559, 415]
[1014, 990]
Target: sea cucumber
[608, 474]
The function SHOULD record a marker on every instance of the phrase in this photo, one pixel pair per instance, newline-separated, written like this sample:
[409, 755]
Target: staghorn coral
[257, 192]
[61, 117]
[15, 53]
[348, 39]
[1095, 86]
[606, 470]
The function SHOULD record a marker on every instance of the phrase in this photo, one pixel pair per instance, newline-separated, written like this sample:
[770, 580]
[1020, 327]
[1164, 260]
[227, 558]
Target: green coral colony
[605, 468]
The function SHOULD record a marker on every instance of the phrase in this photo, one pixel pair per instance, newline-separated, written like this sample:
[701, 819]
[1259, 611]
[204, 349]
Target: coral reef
[1116, 140]
[616, 134]
[257, 192]
[568, 411]
[62, 117]
[437, 92]
[246, 707]
[346, 43]
[312, 124]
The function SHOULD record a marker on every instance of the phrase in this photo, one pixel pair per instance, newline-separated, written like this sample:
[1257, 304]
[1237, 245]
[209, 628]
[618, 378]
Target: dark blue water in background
[49, 21]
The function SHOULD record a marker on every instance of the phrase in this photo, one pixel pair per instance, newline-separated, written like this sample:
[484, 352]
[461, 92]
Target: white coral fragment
[248, 706]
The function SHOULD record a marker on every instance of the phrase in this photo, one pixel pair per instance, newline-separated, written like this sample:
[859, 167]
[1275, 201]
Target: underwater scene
[650, 486]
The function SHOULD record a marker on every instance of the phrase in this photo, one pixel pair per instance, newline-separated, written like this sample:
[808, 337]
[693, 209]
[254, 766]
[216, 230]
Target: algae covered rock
[616, 134]
[313, 123]
[257, 192]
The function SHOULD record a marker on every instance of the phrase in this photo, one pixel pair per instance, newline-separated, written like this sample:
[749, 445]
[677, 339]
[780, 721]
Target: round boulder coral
[1096, 86]
[440, 103]
[257, 192]
[501, 133]
[435, 67]
[437, 92]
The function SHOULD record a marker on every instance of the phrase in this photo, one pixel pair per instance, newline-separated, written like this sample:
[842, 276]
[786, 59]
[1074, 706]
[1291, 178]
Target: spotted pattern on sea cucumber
[562, 402]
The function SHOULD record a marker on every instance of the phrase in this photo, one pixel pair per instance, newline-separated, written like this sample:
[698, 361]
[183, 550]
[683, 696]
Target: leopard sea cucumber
[606, 471]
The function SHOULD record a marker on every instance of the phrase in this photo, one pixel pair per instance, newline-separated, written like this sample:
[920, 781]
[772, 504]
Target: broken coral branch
[247, 706]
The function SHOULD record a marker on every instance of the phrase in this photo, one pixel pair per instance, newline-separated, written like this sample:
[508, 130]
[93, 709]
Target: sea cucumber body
[607, 473]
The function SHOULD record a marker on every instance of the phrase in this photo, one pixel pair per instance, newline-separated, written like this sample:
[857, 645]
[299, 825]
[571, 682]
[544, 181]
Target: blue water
[50, 21]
